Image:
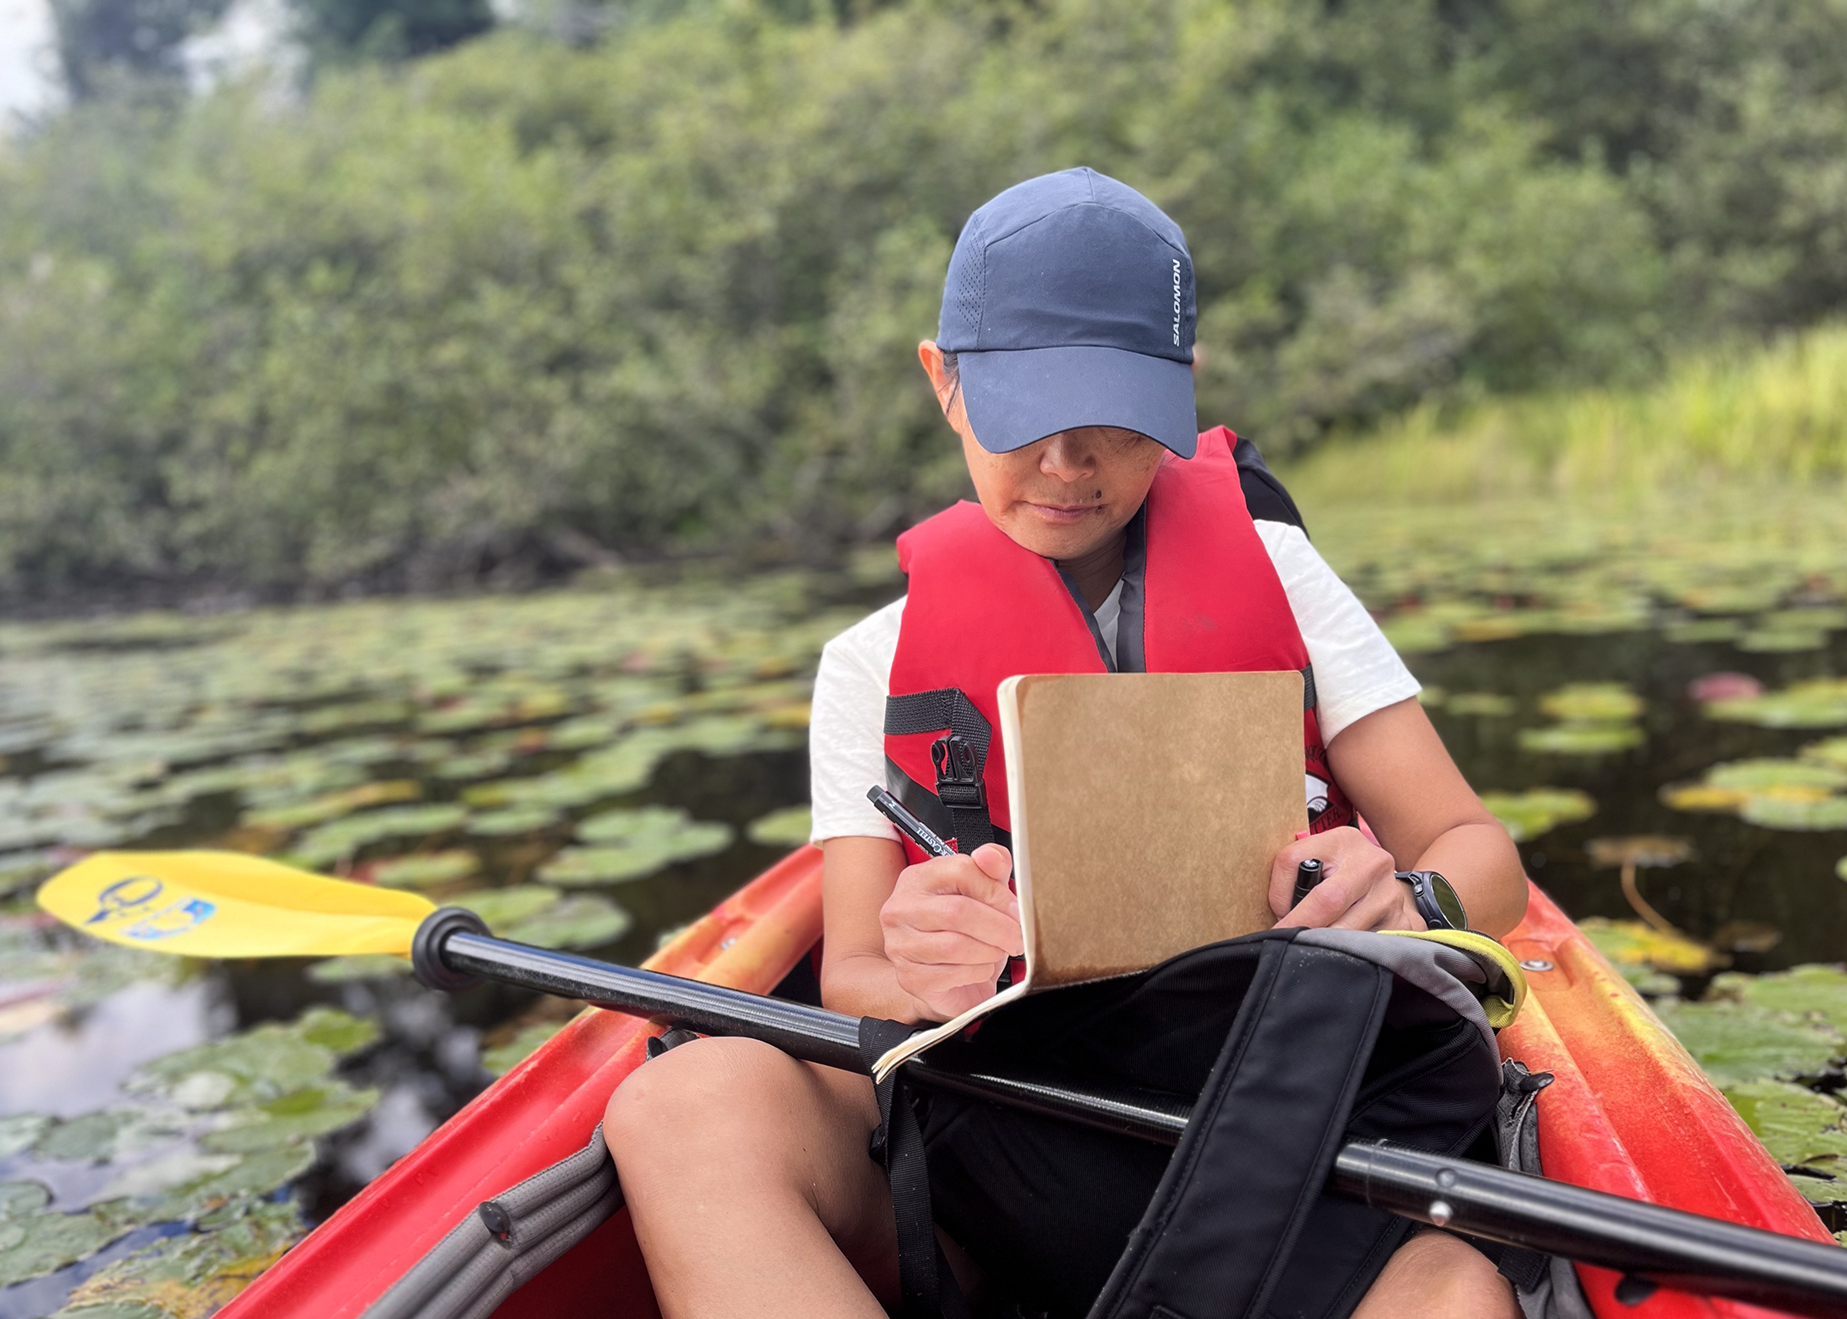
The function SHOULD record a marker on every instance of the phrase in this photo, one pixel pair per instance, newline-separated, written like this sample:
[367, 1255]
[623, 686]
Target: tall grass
[1756, 415]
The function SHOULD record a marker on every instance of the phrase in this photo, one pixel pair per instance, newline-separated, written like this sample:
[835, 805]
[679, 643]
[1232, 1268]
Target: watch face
[1446, 900]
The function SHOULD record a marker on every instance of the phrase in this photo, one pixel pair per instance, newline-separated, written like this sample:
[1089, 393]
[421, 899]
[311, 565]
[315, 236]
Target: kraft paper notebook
[1146, 811]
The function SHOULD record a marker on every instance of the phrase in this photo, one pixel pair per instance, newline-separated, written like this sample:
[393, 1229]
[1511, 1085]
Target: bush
[519, 307]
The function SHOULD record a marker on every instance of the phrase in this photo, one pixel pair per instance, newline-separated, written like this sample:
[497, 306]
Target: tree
[344, 31]
[100, 41]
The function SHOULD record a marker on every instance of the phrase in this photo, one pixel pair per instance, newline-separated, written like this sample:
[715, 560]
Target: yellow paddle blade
[227, 904]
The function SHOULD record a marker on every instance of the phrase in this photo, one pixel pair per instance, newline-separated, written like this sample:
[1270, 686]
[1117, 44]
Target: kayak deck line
[1636, 1119]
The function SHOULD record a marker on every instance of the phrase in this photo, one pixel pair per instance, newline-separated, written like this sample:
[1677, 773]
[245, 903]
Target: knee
[702, 1094]
[1435, 1275]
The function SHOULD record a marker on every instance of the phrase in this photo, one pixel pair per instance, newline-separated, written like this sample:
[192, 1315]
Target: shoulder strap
[1264, 495]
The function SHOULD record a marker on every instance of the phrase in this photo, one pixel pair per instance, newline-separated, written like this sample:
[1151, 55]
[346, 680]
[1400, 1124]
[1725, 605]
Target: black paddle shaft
[1652, 1244]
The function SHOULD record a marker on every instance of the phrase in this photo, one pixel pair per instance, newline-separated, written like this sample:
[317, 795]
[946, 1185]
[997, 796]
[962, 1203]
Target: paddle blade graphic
[227, 904]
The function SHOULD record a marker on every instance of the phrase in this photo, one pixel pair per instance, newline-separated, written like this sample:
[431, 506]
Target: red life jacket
[982, 608]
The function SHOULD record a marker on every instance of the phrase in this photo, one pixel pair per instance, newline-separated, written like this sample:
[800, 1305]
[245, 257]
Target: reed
[1773, 414]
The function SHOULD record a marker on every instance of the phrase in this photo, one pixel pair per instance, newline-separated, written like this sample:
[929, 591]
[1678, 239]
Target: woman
[1063, 364]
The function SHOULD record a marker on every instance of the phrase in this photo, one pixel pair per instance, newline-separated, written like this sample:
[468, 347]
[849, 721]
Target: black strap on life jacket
[960, 756]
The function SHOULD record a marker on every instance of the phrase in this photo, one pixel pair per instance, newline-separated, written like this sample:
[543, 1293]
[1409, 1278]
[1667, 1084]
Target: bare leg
[747, 1176]
[1438, 1276]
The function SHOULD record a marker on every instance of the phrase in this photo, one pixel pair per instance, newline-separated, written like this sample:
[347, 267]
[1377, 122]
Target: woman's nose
[1067, 457]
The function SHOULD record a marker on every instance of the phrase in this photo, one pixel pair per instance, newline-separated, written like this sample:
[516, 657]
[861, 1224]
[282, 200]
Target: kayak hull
[1629, 1113]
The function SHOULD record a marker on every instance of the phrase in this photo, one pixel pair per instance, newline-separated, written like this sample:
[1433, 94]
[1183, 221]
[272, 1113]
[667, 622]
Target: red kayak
[1629, 1113]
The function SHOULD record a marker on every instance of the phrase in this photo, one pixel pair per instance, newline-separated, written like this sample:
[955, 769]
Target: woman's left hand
[1361, 890]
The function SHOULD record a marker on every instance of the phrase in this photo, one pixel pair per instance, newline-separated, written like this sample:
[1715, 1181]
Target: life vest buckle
[958, 773]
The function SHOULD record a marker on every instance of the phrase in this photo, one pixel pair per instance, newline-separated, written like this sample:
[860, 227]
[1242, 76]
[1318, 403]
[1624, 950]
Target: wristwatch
[1435, 900]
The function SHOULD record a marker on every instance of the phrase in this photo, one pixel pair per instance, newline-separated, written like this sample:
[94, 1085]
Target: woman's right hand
[950, 925]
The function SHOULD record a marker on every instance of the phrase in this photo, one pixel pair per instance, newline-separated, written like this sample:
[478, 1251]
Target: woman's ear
[931, 357]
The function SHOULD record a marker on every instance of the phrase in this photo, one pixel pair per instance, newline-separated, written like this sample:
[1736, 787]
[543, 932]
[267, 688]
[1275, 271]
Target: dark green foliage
[103, 43]
[339, 31]
[522, 306]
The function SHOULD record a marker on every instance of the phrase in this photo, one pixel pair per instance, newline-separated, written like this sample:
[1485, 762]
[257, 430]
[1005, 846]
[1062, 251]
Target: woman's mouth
[1065, 514]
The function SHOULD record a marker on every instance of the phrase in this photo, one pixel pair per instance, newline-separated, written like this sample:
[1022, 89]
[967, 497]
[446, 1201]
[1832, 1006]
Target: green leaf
[193, 1269]
[1734, 1042]
[1482, 704]
[1529, 814]
[503, 1058]
[36, 1244]
[513, 821]
[426, 870]
[20, 1198]
[583, 920]
[292, 1118]
[504, 908]
[1817, 993]
[358, 967]
[1633, 944]
[1581, 739]
[1592, 703]
[1797, 1125]
[788, 827]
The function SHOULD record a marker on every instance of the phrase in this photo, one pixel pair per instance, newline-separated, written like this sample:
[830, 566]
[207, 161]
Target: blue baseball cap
[1070, 303]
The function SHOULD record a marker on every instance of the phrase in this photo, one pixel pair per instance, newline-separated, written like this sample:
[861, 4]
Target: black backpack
[1294, 1042]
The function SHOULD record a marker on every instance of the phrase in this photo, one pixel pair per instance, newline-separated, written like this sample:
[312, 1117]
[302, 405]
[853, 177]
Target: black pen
[909, 825]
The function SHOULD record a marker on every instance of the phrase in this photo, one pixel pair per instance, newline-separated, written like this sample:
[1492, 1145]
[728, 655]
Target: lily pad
[1631, 943]
[513, 822]
[250, 1175]
[426, 870]
[356, 967]
[1592, 702]
[154, 1177]
[23, 870]
[1754, 775]
[18, 1131]
[1735, 1042]
[1812, 991]
[1531, 813]
[583, 920]
[341, 838]
[1774, 813]
[18, 1198]
[1781, 642]
[1581, 739]
[504, 1058]
[258, 1065]
[1830, 751]
[312, 1111]
[333, 1029]
[1817, 703]
[110, 1134]
[1482, 704]
[333, 806]
[1797, 1125]
[632, 844]
[194, 1273]
[788, 827]
[1696, 631]
[36, 1244]
[1649, 851]
[584, 732]
[503, 908]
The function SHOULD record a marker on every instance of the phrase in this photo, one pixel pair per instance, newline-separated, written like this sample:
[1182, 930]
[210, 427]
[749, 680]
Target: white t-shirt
[1356, 672]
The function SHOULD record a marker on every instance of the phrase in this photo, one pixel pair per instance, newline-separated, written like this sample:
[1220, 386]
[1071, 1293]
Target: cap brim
[1017, 397]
